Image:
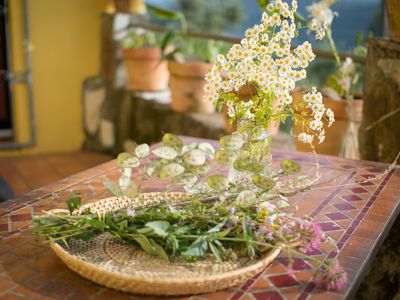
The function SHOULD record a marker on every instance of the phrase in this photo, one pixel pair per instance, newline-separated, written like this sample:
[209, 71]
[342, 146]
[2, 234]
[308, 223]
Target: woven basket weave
[115, 264]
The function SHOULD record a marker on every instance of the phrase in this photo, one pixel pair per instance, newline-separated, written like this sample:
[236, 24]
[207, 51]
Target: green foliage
[217, 182]
[217, 16]
[166, 14]
[171, 170]
[73, 204]
[263, 4]
[165, 152]
[290, 167]
[231, 142]
[207, 225]
[263, 182]
[193, 49]
[145, 39]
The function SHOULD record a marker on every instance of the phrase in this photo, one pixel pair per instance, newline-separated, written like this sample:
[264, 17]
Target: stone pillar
[108, 57]
[379, 138]
[379, 134]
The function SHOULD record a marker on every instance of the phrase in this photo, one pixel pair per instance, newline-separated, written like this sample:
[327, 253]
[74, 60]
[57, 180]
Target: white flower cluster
[265, 59]
[321, 17]
[313, 101]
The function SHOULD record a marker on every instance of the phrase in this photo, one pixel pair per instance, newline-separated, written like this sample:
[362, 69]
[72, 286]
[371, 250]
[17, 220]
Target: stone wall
[380, 129]
[114, 118]
[380, 141]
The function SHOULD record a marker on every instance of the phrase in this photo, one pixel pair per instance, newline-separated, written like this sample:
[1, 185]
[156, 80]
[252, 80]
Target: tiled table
[356, 216]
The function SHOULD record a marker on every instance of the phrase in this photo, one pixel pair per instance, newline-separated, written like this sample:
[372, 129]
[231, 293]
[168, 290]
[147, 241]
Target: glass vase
[255, 154]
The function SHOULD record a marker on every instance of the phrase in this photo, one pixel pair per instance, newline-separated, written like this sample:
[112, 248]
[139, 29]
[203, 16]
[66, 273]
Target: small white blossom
[305, 138]
[321, 17]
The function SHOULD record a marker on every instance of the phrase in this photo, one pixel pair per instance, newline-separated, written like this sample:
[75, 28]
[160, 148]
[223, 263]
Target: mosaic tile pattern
[354, 215]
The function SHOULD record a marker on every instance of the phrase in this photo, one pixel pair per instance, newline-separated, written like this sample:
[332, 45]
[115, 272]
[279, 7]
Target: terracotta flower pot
[334, 135]
[393, 14]
[245, 93]
[187, 87]
[146, 70]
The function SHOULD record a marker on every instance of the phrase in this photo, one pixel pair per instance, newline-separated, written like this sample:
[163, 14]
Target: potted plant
[338, 91]
[143, 60]
[189, 59]
[188, 66]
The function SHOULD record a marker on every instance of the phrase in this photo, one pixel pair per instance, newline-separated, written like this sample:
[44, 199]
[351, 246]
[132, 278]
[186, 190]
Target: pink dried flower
[311, 234]
[331, 277]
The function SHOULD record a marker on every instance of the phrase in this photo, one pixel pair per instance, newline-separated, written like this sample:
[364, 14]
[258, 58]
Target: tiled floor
[25, 173]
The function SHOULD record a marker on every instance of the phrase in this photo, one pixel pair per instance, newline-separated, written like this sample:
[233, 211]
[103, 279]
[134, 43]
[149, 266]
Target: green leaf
[172, 140]
[73, 204]
[128, 187]
[215, 251]
[217, 182]
[197, 249]
[195, 157]
[167, 40]
[142, 150]
[246, 198]
[290, 167]
[165, 152]
[96, 224]
[185, 179]
[200, 170]
[163, 13]
[231, 142]
[207, 148]
[188, 147]
[224, 157]
[263, 4]
[171, 170]
[359, 38]
[263, 182]
[131, 190]
[123, 225]
[127, 160]
[144, 243]
[220, 104]
[173, 243]
[126, 172]
[218, 227]
[159, 251]
[198, 188]
[159, 227]
[247, 164]
[151, 168]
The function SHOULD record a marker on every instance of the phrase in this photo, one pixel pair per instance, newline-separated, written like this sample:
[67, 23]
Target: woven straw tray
[117, 265]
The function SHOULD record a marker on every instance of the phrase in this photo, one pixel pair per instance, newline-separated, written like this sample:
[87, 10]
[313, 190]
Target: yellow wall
[65, 44]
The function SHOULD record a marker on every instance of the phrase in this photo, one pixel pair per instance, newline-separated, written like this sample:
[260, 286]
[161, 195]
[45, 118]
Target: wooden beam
[318, 53]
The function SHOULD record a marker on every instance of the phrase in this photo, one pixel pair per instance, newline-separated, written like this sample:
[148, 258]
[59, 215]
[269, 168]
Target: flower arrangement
[264, 58]
[223, 219]
[246, 213]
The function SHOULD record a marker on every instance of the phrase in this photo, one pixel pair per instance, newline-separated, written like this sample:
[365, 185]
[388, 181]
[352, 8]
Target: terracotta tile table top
[356, 216]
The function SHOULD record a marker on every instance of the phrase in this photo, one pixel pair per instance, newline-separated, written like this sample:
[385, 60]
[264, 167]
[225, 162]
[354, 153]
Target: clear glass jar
[256, 150]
